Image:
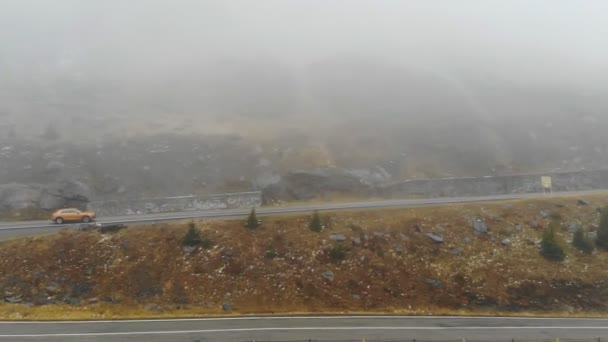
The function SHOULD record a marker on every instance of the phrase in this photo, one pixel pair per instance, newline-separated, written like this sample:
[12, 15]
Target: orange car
[72, 215]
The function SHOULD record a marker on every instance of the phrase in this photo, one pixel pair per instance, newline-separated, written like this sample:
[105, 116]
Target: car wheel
[86, 219]
[59, 220]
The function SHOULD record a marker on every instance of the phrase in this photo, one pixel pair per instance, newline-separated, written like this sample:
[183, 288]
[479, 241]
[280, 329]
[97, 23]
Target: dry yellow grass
[395, 268]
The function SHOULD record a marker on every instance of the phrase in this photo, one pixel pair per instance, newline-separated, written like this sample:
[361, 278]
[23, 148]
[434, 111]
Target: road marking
[262, 318]
[203, 331]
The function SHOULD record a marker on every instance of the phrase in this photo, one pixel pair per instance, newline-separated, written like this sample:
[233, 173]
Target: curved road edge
[328, 328]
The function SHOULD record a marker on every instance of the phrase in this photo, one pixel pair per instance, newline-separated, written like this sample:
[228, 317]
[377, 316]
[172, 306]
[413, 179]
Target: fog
[155, 56]
[423, 88]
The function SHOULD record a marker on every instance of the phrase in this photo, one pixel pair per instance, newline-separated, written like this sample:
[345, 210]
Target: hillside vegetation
[428, 260]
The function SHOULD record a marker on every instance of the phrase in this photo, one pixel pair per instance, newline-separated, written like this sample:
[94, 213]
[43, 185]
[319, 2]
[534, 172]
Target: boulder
[227, 306]
[456, 251]
[53, 288]
[506, 242]
[582, 202]
[434, 283]
[436, 238]
[572, 228]
[592, 235]
[479, 226]
[189, 249]
[13, 298]
[337, 237]
[356, 241]
[544, 214]
[328, 275]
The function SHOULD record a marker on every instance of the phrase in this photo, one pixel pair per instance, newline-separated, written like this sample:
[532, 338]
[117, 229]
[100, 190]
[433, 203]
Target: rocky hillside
[245, 125]
[461, 258]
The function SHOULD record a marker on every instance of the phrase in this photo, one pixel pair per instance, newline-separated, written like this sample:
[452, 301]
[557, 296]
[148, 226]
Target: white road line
[182, 332]
[262, 318]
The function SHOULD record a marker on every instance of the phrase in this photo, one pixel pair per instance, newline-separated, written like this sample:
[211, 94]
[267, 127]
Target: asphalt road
[304, 328]
[26, 228]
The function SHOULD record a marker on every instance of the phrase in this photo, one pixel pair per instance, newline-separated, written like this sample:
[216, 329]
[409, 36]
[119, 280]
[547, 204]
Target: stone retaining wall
[176, 204]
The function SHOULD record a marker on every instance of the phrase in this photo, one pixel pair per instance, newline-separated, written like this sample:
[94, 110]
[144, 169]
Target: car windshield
[304, 170]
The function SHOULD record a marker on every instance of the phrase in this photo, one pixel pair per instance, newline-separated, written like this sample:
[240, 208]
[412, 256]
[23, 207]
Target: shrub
[550, 247]
[315, 223]
[338, 252]
[271, 252]
[602, 233]
[581, 242]
[252, 220]
[192, 237]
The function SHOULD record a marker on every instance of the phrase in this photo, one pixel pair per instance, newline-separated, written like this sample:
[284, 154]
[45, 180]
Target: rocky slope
[469, 258]
[33, 200]
[228, 127]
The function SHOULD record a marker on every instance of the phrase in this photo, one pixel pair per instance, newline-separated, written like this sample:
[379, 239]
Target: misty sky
[150, 39]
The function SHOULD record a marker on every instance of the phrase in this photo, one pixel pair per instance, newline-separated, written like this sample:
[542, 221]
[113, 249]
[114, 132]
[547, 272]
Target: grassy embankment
[386, 264]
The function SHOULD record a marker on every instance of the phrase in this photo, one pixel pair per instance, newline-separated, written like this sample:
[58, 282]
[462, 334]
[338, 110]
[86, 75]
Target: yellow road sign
[545, 181]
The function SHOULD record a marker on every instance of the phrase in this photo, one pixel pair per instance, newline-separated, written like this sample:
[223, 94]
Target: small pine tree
[549, 246]
[581, 242]
[338, 252]
[252, 220]
[602, 233]
[192, 237]
[315, 223]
